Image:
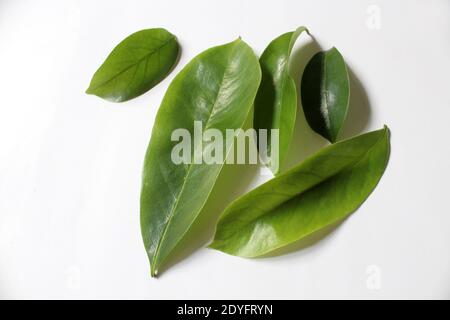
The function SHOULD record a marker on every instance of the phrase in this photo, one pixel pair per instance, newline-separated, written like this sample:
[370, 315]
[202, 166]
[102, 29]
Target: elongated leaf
[276, 101]
[135, 65]
[322, 190]
[218, 88]
[325, 93]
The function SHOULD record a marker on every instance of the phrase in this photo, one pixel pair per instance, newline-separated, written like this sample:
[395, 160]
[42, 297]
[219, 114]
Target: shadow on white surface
[359, 110]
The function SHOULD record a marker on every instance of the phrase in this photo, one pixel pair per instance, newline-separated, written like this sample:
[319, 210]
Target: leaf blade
[135, 65]
[325, 92]
[276, 101]
[325, 188]
[217, 88]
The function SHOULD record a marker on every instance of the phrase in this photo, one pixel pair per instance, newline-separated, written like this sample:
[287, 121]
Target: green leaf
[218, 88]
[276, 101]
[135, 65]
[325, 93]
[319, 192]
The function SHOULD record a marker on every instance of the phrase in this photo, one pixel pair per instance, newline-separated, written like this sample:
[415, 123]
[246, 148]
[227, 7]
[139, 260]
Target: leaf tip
[211, 245]
[153, 273]
[332, 138]
[303, 28]
[88, 90]
[386, 130]
[335, 50]
[215, 245]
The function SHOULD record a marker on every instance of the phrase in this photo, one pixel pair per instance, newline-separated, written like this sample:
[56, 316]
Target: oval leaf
[218, 88]
[276, 101]
[325, 93]
[135, 65]
[319, 192]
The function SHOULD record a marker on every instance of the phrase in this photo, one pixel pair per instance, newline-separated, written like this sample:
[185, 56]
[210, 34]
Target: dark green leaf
[218, 88]
[276, 101]
[135, 65]
[325, 93]
[319, 192]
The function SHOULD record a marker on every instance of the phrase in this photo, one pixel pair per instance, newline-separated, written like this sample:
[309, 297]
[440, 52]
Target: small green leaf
[135, 65]
[325, 93]
[276, 101]
[217, 88]
[319, 192]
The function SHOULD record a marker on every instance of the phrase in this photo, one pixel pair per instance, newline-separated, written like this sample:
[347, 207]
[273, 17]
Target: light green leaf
[319, 192]
[325, 93]
[218, 88]
[276, 101]
[135, 65]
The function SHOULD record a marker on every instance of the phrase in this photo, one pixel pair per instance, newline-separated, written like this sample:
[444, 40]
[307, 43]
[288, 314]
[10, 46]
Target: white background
[70, 163]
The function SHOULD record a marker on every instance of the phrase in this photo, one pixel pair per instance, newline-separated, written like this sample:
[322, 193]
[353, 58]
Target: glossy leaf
[135, 65]
[276, 101]
[325, 93]
[319, 192]
[218, 88]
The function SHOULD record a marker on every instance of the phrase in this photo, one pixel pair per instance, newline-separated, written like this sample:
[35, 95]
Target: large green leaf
[276, 101]
[319, 192]
[218, 88]
[325, 93]
[135, 65]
